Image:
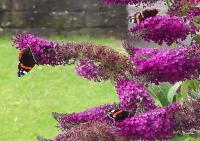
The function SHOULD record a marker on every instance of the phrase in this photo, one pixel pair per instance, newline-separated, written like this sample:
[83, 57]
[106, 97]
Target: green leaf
[196, 38]
[181, 138]
[173, 91]
[194, 84]
[168, 2]
[154, 96]
[174, 45]
[160, 93]
[198, 19]
[185, 89]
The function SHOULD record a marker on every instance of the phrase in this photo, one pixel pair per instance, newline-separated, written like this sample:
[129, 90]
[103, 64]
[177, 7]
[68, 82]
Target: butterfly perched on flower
[138, 16]
[26, 62]
[117, 114]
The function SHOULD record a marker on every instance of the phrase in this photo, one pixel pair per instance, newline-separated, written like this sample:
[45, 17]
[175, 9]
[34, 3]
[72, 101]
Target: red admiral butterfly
[117, 114]
[139, 17]
[26, 62]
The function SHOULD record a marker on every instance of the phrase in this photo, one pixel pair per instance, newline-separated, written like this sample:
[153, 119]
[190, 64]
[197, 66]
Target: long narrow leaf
[154, 96]
[173, 91]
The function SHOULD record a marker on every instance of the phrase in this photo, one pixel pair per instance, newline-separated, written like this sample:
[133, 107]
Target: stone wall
[62, 17]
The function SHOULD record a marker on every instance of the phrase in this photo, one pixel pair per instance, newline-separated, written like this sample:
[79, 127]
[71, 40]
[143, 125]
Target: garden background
[26, 103]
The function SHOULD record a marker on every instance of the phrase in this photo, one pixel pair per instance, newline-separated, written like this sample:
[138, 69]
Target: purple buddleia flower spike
[91, 131]
[194, 12]
[162, 29]
[91, 70]
[157, 124]
[181, 63]
[182, 7]
[163, 123]
[192, 18]
[153, 125]
[93, 114]
[134, 96]
[140, 55]
[44, 52]
[52, 53]
[187, 118]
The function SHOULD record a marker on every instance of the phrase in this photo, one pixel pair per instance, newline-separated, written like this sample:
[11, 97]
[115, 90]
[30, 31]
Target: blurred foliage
[165, 93]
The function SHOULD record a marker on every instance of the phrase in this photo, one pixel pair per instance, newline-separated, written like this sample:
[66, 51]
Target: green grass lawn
[26, 103]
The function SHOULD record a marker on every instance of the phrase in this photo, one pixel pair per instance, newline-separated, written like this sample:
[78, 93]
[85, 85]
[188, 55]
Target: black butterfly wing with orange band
[150, 12]
[117, 114]
[139, 17]
[26, 62]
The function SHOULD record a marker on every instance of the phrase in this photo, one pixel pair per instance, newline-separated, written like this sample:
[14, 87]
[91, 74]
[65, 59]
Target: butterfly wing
[150, 12]
[26, 62]
[117, 114]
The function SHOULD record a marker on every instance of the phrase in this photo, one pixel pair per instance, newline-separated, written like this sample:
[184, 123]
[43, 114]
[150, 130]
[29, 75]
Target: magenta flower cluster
[90, 131]
[187, 117]
[182, 7]
[156, 124]
[181, 63]
[194, 12]
[44, 51]
[162, 29]
[91, 70]
[133, 96]
[192, 18]
[140, 55]
[93, 114]
[52, 53]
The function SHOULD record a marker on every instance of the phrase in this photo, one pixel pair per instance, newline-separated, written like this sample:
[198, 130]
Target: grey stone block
[28, 19]
[108, 32]
[5, 19]
[49, 20]
[78, 19]
[37, 31]
[105, 19]
[79, 5]
[36, 5]
[5, 5]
